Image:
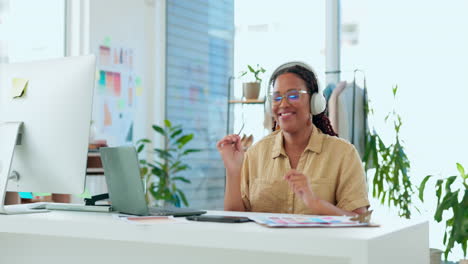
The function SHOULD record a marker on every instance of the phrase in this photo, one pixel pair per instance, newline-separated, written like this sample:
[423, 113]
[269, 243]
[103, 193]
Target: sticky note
[26, 195]
[117, 86]
[107, 41]
[85, 194]
[138, 81]
[107, 116]
[139, 91]
[19, 86]
[121, 104]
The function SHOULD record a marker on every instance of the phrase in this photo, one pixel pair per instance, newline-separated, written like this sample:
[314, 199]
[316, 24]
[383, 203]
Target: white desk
[77, 237]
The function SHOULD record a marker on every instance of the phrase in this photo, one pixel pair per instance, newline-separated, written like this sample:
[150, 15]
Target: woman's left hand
[299, 183]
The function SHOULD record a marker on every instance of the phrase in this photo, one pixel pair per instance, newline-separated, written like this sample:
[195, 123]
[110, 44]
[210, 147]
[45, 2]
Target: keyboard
[69, 207]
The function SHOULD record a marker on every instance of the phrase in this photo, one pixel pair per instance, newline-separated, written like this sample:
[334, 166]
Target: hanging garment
[352, 119]
[333, 106]
[346, 111]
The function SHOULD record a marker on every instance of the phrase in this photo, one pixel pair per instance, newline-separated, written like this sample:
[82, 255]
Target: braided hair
[321, 121]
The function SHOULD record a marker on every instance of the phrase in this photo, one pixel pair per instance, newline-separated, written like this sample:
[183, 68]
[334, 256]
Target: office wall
[121, 36]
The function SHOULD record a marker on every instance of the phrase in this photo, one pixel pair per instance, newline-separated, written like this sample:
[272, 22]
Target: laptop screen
[122, 172]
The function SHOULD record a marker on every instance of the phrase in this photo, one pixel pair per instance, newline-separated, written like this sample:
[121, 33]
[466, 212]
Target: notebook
[126, 191]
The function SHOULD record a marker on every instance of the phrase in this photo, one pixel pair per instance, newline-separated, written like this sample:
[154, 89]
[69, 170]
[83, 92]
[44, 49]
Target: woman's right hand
[232, 152]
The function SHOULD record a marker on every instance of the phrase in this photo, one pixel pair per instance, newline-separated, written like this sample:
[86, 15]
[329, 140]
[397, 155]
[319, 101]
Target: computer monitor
[54, 116]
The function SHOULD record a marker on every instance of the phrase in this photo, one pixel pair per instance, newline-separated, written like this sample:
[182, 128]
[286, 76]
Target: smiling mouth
[286, 114]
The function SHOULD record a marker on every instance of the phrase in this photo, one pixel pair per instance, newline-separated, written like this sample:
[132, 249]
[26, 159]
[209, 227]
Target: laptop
[126, 191]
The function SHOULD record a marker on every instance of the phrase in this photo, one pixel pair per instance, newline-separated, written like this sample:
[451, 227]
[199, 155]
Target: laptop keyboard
[174, 211]
[160, 211]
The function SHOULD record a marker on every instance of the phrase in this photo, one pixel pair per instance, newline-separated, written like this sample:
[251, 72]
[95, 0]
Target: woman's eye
[293, 96]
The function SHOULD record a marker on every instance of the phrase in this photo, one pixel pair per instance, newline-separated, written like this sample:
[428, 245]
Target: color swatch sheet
[306, 221]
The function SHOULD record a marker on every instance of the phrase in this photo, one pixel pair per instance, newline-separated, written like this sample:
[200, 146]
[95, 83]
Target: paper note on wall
[139, 88]
[19, 86]
[107, 116]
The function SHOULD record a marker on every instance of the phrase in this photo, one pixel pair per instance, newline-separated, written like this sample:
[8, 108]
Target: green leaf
[382, 201]
[184, 140]
[176, 133]
[251, 69]
[177, 200]
[381, 144]
[461, 170]
[447, 203]
[159, 164]
[457, 228]
[386, 117]
[159, 172]
[143, 171]
[163, 154]
[171, 149]
[140, 148]
[181, 179]
[422, 187]
[439, 190]
[143, 140]
[448, 249]
[167, 123]
[445, 237]
[464, 246]
[182, 196]
[394, 90]
[157, 193]
[174, 128]
[449, 182]
[464, 204]
[175, 164]
[180, 168]
[159, 129]
[190, 151]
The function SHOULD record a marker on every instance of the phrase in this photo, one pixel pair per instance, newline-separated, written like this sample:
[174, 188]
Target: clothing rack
[355, 71]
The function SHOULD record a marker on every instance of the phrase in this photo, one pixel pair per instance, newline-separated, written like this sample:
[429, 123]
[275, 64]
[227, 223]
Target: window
[422, 47]
[35, 29]
[270, 33]
[199, 63]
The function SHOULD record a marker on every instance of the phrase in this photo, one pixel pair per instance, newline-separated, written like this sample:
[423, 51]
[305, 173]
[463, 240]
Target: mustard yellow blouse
[332, 164]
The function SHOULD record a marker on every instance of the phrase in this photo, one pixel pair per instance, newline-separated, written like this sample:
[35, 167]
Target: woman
[302, 168]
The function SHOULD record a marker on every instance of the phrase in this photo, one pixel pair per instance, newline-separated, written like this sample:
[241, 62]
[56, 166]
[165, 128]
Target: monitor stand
[9, 132]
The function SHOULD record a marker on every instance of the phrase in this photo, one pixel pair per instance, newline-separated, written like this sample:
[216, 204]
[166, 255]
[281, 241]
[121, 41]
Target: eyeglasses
[292, 96]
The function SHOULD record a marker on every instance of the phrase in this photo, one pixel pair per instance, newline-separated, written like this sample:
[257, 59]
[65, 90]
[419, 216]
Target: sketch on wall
[118, 90]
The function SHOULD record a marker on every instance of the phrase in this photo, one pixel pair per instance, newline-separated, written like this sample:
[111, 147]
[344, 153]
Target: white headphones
[317, 100]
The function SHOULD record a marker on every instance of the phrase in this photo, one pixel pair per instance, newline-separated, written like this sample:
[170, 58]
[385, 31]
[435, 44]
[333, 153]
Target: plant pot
[463, 261]
[436, 255]
[251, 90]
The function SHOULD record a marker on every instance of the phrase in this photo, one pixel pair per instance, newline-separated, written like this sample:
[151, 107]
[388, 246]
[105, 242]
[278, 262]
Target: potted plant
[251, 90]
[160, 176]
[391, 184]
[453, 200]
